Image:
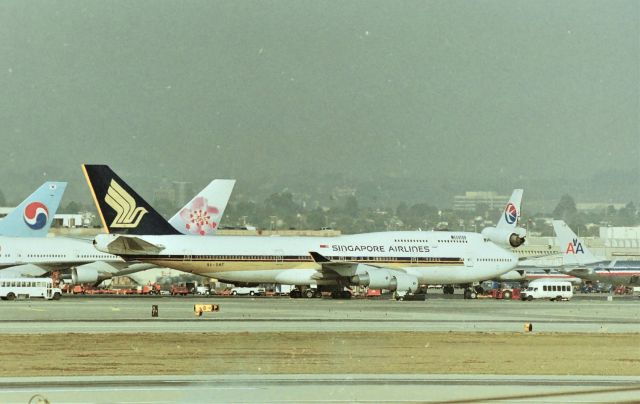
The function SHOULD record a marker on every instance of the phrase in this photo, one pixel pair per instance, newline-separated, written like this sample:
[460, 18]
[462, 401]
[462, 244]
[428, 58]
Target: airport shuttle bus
[12, 288]
[548, 289]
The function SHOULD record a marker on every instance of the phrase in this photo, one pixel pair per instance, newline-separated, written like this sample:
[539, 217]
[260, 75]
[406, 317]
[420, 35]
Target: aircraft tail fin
[121, 209]
[573, 250]
[34, 216]
[511, 213]
[203, 213]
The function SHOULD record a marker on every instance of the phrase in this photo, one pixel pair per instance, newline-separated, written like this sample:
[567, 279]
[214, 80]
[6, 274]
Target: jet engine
[373, 278]
[404, 283]
[376, 278]
[84, 275]
[508, 237]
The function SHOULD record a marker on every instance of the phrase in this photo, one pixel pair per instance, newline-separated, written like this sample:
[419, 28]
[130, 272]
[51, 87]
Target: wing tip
[319, 258]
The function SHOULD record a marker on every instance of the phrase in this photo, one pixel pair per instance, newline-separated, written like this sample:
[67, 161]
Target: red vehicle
[153, 289]
[179, 290]
[623, 290]
[507, 294]
[374, 292]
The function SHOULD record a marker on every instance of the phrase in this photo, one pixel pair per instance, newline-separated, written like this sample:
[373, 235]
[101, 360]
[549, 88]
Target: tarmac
[93, 314]
[266, 314]
[338, 388]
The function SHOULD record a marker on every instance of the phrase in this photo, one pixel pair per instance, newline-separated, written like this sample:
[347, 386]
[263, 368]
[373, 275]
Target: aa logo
[574, 247]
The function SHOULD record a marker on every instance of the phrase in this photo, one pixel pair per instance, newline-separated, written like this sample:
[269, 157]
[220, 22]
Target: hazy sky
[493, 93]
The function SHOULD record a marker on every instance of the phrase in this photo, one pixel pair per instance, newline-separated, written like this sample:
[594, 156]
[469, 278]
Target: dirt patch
[327, 352]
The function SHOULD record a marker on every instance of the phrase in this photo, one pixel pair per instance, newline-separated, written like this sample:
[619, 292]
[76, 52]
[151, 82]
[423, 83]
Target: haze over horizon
[415, 100]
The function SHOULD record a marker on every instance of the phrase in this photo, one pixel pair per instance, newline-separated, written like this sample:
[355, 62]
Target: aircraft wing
[556, 255]
[579, 272]
[373, 276]
[18, 271]
[343, 268]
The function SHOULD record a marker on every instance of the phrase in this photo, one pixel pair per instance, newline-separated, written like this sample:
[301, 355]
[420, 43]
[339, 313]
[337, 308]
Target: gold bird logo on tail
[128, 215]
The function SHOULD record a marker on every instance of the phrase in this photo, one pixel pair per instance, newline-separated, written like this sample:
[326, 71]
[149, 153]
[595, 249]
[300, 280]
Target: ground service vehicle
[179, 290]
[11, 288]
[548, 289]
[251, 291]
[202, 290]
[151, 289]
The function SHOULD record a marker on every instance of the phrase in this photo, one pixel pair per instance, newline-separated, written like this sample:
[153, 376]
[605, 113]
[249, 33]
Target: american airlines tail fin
[511, 214]
[574, 251]
[33, 217]
[203, 214]
[121, 209]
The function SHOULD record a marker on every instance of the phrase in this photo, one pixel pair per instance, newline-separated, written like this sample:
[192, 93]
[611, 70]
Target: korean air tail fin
[121, 209]
[574, 251]
[511, 214]
[203, 213]
[33, 217]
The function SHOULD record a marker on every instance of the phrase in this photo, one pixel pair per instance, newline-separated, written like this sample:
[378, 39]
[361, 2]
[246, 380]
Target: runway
[337, 388]
[318, 318]
[90, 314]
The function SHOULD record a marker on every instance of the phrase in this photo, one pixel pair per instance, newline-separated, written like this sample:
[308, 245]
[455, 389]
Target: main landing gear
[308, 293]
[469, 291]
[470, 294]
[341, 294]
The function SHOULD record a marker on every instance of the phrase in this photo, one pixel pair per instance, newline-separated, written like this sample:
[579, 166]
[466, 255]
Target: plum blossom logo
[200, 218]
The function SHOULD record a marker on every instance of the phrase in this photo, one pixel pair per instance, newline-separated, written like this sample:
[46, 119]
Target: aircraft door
[18, 257]
[468, 262]
[187, 256]
[279, 257]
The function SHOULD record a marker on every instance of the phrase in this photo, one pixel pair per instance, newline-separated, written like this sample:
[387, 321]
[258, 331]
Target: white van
[548, 289]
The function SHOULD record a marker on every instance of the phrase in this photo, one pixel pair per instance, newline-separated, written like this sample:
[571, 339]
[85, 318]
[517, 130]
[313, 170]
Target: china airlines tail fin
[574, 251]
[33, 217]
[511, 214]
[121, 209]
[203, 214]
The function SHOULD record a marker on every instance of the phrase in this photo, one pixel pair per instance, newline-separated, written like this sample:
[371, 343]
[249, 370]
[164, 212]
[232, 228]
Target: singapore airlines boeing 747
[398, 261]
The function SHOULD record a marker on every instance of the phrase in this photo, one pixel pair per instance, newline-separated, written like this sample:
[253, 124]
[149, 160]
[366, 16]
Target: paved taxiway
[133, 314]
[287, 388]
[91, 314]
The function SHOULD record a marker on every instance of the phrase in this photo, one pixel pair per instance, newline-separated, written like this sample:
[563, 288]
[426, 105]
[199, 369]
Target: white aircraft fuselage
[432, 257]
[20, 255]
[50, 251]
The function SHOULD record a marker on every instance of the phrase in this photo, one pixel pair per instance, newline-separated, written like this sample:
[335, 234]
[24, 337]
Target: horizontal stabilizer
[133, 246]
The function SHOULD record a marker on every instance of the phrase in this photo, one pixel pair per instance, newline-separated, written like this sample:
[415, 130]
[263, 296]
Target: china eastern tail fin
[511, 214]
[574, 251]
[121, 209]
[203, 213]
[33, 217]
[507, 232]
